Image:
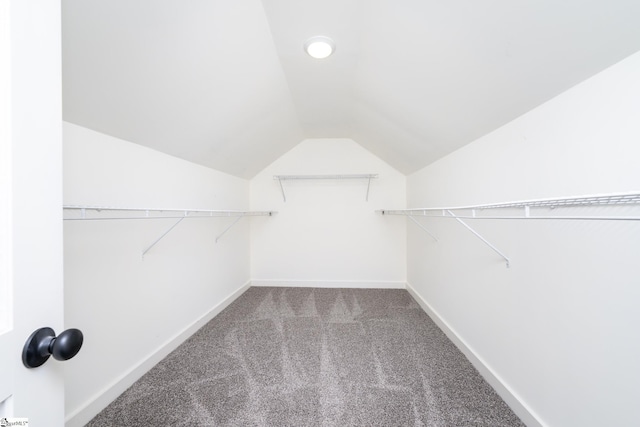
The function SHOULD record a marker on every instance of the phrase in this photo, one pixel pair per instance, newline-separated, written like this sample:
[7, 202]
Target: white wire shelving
[109, 213]
[536, 209]
[368, 177]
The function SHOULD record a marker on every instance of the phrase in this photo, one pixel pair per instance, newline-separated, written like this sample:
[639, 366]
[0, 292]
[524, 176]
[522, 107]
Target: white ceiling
[226, 83]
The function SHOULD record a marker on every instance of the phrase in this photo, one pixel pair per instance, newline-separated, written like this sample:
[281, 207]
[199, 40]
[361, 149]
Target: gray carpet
[313, 357]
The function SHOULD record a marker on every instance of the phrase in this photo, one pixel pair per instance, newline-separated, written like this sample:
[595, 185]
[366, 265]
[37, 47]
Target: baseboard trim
[101, 400]
[520, 408]
[358, 284]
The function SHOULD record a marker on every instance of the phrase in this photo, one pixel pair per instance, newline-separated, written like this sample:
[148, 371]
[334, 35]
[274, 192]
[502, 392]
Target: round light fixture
[319, 47]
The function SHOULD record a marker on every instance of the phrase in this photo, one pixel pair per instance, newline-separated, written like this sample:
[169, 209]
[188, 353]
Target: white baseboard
[520, 408]
[98, 402]
[330, 284]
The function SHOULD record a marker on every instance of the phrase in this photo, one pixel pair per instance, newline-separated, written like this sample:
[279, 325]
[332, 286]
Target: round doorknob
[43, 343]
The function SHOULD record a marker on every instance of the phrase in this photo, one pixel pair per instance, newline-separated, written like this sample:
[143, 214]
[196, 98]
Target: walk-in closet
[336, 213]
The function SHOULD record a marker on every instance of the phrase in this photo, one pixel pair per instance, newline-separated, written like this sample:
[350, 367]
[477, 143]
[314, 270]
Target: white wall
[559, 328]
[131, 309]
[326, 233]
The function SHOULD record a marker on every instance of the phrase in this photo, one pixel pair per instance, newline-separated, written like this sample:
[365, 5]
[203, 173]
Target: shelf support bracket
[284, 198]
[366, 199]
[486, 242]
[229, 227]
[422, 227]
[161, 237]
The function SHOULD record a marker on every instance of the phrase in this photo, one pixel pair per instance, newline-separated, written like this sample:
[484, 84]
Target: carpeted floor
[313, 357]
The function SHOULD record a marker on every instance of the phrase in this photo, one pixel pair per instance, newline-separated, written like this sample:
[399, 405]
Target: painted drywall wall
[130, 309]
[558, 328]
[327, 233]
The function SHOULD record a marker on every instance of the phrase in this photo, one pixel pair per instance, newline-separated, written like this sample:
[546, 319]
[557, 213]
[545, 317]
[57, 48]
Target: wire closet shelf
[368, 177]
[531, 209]
[97, 213]
[537, 209]
[86, 212]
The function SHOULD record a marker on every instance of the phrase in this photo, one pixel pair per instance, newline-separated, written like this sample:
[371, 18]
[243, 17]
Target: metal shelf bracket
[475, 233]
[423, 228]
[228, 228]
[162, 236]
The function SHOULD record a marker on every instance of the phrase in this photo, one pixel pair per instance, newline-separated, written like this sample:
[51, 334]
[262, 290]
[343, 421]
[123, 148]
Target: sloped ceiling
[227, 84]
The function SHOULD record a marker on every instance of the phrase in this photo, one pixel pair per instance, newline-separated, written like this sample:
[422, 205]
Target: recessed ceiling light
[319, 47]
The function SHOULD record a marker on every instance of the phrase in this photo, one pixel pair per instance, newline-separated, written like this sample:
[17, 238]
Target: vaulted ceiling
[227, 84]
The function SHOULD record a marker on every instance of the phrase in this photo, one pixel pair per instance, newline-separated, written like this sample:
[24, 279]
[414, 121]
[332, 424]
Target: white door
[31, 290]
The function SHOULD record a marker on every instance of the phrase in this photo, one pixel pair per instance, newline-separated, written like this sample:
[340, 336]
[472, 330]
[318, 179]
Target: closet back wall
[132, 311]
[326, 233]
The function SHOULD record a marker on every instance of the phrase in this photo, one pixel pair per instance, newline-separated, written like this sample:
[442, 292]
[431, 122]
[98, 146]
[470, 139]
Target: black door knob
[43, 343]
